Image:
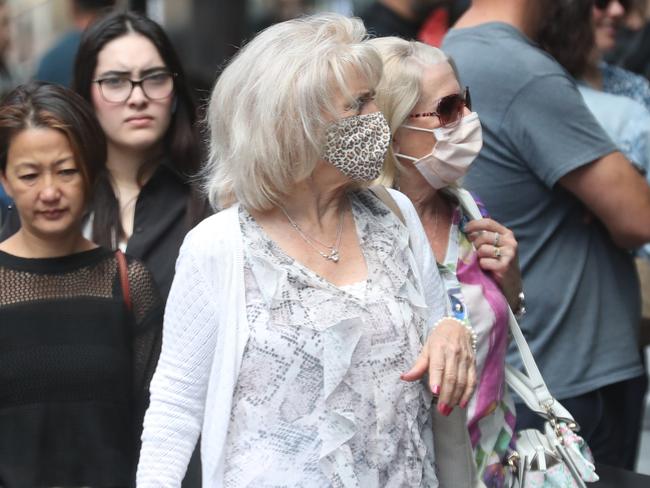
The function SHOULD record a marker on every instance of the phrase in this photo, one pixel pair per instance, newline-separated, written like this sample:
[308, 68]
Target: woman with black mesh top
[80, 326]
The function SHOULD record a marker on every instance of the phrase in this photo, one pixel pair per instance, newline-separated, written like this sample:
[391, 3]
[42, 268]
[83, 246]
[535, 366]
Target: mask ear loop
[400, 155]
[412, 127]
[421, 129]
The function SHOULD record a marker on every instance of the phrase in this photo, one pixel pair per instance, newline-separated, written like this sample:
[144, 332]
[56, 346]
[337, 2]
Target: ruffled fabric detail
[298, 297]
[374, 429]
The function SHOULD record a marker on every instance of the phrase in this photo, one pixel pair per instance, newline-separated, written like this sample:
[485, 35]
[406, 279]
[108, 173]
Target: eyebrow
[30, 164]
[366, 94]
[143, 73]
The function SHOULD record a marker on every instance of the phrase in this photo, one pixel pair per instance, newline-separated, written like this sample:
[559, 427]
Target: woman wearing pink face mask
[435, 139]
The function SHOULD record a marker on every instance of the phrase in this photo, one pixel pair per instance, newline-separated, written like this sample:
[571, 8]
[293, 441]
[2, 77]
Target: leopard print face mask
[357, 145]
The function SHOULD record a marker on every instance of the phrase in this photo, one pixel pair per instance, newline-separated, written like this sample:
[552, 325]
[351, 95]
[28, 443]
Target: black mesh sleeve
[147, 309]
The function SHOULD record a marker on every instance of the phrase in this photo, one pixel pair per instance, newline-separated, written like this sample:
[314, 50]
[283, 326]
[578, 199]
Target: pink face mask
[454, 151]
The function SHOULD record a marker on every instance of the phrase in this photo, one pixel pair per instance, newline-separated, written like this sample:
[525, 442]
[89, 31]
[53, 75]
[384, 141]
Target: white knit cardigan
[205, 332]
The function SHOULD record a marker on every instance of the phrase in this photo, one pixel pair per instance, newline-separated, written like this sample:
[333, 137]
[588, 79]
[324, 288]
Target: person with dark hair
[633, 40]
[145, 204]
[80, 324]
[129, 71]
[607, 17]
[550, 173]
[57, 63]
[577, 36]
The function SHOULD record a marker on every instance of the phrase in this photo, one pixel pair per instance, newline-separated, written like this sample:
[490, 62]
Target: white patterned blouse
[316, 399]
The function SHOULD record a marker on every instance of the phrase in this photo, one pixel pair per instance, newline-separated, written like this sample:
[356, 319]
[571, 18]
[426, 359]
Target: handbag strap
[530, 386]
[124, 279]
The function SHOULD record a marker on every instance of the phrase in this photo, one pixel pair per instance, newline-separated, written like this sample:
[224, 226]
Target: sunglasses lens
[603, 4]
[450, 109]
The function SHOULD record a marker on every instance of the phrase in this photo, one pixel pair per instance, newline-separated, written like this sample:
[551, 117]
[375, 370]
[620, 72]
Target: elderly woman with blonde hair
[435, 138]
[304, 315]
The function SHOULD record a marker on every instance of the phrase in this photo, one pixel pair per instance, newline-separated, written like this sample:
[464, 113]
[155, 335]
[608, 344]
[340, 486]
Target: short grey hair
[268, 111]
[400, 88]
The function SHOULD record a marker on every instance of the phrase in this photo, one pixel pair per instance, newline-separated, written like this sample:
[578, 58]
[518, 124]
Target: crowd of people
[311, 299]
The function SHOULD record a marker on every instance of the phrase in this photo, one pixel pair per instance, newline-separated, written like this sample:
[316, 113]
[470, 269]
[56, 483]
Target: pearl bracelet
[470, 330]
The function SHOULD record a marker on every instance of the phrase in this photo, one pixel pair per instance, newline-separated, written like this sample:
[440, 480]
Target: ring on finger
[497, 252]
[497, 238]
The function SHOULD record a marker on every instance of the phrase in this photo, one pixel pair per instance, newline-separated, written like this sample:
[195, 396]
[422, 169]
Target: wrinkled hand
[498, 255]
[449, 359]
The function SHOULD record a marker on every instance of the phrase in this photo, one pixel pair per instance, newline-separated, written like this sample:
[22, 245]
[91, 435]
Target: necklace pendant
[334, 256]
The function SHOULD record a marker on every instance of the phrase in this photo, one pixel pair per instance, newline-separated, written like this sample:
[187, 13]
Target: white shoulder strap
[530, 386]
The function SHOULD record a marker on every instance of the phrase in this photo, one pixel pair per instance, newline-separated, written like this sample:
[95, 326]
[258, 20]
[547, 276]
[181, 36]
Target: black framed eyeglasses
[118, 89]
[449, 109]
[604, 4]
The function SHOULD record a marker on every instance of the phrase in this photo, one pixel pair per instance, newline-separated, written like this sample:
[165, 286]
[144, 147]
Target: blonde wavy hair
[400, 88]
[268, 111]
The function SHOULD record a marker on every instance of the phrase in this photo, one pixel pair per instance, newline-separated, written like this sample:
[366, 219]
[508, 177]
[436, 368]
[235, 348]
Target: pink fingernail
[435, 389]
[444, 409]
[463, 404]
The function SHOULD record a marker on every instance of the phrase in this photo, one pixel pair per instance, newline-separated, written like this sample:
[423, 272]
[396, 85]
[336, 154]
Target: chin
[141, 142]
[57, 229]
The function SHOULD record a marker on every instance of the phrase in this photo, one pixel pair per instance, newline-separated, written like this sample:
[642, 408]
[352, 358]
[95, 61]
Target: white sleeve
[434, 290]
[173, 421]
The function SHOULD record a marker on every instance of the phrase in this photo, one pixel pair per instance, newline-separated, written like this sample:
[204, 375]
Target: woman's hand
[449, 358]
[497, 251]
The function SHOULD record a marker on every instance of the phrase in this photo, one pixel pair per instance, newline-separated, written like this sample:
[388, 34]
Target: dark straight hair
[568, 35]
[181, 142]
[45, 105]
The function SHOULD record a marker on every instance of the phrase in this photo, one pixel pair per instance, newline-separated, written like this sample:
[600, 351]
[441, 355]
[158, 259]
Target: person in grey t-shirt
[549, 172]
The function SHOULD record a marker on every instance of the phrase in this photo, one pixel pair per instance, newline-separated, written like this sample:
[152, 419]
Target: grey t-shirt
[581, 289]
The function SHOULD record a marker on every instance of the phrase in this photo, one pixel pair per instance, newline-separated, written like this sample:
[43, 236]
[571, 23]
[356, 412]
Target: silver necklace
[333, 254]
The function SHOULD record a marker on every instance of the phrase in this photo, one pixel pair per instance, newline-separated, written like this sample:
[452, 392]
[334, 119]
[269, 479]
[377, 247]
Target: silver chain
[333, 254]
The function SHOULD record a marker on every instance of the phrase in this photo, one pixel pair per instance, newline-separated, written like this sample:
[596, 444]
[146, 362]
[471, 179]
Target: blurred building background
[205, 32]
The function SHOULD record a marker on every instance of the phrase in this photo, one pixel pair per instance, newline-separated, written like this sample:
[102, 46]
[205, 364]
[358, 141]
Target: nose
[615, 9]
[50, 191]
[137, 97]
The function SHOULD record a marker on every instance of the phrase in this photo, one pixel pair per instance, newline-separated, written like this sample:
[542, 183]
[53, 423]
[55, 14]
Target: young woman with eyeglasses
[127, 68]
[435, 138]
[81, 326]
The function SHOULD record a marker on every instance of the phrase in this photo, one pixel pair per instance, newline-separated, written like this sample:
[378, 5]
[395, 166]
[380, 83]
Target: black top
[159, 226]
[381, 21]
[75, 367]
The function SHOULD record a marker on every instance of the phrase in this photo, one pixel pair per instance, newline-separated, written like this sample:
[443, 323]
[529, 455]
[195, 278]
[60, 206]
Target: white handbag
[557, 457]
